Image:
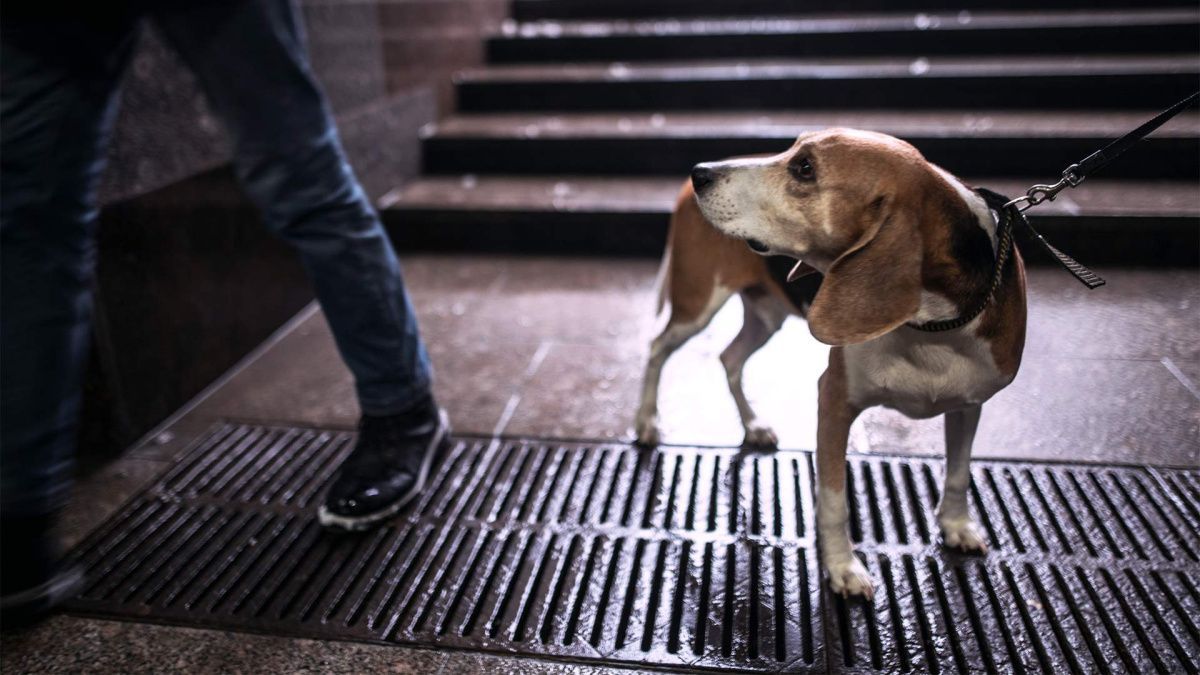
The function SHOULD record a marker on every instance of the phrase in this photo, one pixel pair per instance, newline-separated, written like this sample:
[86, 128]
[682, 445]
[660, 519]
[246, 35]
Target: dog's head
[846, 202]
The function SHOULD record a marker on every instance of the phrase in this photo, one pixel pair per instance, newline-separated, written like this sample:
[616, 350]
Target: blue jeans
[58, 97]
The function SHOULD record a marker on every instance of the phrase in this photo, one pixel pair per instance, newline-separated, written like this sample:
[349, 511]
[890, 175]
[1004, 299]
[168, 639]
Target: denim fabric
[58, 83]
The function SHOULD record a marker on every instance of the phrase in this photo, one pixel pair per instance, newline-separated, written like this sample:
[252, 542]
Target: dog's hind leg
[682, 327]
[762, 318]
[959, 530]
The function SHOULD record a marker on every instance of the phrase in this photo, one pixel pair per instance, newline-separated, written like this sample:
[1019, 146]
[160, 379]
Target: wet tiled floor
[552, 347]
[555, 348]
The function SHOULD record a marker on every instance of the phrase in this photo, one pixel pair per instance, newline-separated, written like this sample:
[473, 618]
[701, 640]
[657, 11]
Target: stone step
[1034, 146]
[938, 33]
[530, 10]
[996, 83]
[1100, 222]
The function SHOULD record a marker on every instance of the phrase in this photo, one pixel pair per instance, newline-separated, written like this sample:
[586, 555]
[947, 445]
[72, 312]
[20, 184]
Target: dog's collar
[1004, 245]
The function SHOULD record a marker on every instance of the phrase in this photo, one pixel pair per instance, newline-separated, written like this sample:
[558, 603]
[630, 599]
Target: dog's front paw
[848, 577]
[647, 432]
[759, 435]
[963, 534]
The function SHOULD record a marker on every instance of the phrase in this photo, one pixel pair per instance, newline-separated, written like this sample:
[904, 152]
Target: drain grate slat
[680, 557]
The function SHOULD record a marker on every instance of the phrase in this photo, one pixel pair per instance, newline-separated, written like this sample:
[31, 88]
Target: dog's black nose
[702, 177]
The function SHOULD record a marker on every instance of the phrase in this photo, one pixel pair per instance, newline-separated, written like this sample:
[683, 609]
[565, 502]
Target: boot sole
[342, 523]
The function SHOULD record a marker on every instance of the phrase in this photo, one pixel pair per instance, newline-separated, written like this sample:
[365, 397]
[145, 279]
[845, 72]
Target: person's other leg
[251, 61]
[58, 83]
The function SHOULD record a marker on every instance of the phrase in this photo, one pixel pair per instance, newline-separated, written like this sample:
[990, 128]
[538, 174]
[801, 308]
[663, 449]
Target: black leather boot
[387, 468]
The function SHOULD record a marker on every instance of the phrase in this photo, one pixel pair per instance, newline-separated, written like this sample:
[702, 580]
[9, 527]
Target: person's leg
[58, 83]
[250, 59]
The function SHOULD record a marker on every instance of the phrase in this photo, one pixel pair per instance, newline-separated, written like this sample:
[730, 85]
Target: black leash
[1012, 212]
[1074, 174]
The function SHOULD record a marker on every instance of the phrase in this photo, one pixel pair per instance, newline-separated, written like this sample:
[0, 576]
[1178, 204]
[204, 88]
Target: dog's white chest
[922, 375]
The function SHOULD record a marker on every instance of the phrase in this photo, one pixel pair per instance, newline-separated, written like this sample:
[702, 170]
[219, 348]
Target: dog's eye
[802, 169]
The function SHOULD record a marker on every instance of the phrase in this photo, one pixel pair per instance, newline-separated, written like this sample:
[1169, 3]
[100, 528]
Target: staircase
[577, 134]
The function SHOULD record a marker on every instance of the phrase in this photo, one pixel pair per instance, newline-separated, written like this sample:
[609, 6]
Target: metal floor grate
[680, 557]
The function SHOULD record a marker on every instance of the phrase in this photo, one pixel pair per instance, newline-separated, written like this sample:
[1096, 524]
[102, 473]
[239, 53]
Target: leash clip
[1046, 193]
[1074, 175]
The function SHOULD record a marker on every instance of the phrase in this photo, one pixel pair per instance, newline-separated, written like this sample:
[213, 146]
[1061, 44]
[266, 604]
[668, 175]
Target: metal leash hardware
[1046, 193]
[1075, 174]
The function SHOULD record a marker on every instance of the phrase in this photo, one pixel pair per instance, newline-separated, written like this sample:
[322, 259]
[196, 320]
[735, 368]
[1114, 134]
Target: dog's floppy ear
[876, 284]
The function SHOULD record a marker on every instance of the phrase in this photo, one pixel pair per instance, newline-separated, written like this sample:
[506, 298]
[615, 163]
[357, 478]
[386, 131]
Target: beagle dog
[898, 243]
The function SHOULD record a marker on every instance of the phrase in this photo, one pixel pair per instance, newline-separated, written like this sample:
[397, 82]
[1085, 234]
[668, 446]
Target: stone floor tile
[1137, 314]
[302, 380]
[586, 391]
[67, 644]
[575, 300]
[1089, 410]
[1187, 371]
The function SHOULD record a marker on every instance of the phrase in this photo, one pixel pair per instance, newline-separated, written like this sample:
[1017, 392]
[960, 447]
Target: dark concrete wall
[426, 41]
[188, 282]
[165, 132]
